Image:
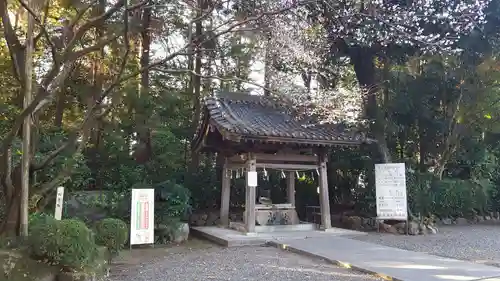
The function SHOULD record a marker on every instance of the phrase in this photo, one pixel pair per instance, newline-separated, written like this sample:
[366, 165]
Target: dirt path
[198, 260]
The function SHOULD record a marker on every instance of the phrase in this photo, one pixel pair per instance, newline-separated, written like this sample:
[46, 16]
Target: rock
[203, 218]
[354, 222]
[393, 230]
[447, 221]
[383, 227]
[431, 229]
[199, 219]
[461, 221]
[422, 229]
[182, 234]
[238, 227]
[368, 223]
[211, 218]
[478, 218]
[90, 205]
[413, 228]
[400, 227]
[487, 218]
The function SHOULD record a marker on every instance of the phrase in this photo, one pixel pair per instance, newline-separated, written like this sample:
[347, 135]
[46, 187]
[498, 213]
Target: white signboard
[252, 178]
[142, 217]
[59, 203]
[390, 186]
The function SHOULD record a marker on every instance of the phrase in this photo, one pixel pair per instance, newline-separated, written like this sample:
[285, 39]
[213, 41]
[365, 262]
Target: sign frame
[391, 193]
[142, 217]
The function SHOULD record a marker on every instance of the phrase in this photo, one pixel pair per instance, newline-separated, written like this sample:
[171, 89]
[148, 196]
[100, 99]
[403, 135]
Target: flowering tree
[302, 40]
[363, 31]
[294, 50]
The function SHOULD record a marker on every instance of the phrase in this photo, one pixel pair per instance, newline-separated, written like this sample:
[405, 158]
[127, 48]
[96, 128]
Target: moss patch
[16, 266]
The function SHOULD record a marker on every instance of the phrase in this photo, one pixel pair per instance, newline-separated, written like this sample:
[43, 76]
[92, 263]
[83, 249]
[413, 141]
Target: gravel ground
[214, 263]
[478, 243]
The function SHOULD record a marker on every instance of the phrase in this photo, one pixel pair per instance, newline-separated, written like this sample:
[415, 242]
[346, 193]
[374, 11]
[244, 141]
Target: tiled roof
[263, 119]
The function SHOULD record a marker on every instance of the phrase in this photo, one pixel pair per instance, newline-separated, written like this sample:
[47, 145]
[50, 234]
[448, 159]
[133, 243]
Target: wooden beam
[225, 196]
[250, 196]
[324, 197]
[276, 157]
[290, 182]
[275, 166]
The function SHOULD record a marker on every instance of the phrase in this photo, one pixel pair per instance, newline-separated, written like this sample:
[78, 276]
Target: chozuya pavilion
[256, 132]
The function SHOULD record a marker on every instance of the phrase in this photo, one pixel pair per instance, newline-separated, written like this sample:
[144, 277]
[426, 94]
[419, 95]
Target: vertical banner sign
[142, 217]
[390, 186]
[59, 203]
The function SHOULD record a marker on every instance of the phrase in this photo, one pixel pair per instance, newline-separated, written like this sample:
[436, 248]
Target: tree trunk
[11, 180]
[421, 146]
[143, 150]
[10, 227]
[364, 67]
[97, 88]
[451, 137]
[195, 84]
[58, 116]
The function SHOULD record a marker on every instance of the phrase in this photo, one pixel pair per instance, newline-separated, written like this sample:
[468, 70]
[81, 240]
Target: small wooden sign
[59, 203]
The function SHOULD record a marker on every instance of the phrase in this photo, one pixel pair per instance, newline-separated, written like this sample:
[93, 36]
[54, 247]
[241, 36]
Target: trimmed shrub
[44, 238]
[111, 233]
[77, 248]
[68, 243]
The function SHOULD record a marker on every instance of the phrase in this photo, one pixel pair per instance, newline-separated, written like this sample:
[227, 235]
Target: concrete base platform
[389, 263]
[232, 238]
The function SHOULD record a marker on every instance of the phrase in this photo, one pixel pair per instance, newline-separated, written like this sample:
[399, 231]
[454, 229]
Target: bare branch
[98, 46]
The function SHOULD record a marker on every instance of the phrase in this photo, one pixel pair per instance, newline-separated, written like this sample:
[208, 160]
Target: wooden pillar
[225, 196]
[324, 198]
[250, 196]
[290, 182]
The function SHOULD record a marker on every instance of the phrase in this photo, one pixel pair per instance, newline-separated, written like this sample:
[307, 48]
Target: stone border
[338, 263]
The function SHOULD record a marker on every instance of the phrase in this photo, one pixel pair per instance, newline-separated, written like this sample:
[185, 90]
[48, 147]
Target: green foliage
[111, 233]
[447, 197]
[171, 207]
[172, 202]
[77, 247]
[67, 243]
[437, 111]
[45, 238]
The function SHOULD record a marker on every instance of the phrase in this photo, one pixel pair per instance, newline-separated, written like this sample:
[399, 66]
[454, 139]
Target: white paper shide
[390, 186]
[142, 217]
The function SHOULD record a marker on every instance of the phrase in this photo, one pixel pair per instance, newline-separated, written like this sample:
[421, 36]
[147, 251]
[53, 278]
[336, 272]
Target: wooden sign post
[59, 203]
